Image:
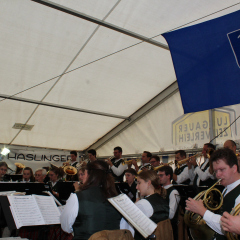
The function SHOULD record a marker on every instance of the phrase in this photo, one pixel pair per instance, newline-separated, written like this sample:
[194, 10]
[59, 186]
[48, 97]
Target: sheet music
[48, 209]
[133, 214]
[25, 211]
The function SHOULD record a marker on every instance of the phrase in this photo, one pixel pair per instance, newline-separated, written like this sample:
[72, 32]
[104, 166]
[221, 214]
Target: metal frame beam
[61, 106]
[156, 101]
[100, 22]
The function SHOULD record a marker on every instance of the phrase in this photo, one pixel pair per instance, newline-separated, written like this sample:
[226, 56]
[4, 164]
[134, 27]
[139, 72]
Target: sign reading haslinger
[194, 127]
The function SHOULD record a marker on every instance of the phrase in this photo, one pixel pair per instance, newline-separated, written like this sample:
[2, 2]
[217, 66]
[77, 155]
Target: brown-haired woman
[88, 211]
[27, 175]
[80, 174]
[154, 205]
[54, 181]
[3, 171]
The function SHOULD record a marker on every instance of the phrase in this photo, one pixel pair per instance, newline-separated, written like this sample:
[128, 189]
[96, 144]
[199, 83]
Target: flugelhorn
[235, 211]
[159, 167]
[198, 227]
[130, 160]
[184, 161]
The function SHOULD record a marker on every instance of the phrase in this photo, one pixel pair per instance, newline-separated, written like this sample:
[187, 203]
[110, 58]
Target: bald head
[230, 144]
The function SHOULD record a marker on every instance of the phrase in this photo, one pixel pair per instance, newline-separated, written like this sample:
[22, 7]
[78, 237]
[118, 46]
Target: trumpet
[79, 165]
[159, 167]
[195, 222]
[184, 161]
[130, 161]
[20, 165]
[68, 161]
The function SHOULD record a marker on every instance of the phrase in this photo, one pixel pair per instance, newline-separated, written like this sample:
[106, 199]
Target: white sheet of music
[25, 211]
[133, 214]
[48, 209]
[33, 210]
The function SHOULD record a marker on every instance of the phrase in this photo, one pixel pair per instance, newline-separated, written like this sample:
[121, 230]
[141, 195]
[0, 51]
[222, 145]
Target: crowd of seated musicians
[87, 211]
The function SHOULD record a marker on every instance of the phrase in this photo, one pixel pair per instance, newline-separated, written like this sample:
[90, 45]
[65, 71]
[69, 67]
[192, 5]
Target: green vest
[160, 211]
[117, 164]
[228, 204]
[95, 214]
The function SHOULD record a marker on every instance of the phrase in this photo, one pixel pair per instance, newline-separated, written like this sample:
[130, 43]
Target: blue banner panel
[206, 58]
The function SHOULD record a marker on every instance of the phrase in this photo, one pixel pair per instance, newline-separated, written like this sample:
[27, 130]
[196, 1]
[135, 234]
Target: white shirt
[183, 176]
[212, 219]
[202, 175]
[69, 214]
[118, 171]
[174, 199]
[145, 206]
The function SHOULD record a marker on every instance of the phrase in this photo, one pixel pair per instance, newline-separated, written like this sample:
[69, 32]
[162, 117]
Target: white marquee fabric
[39, 43]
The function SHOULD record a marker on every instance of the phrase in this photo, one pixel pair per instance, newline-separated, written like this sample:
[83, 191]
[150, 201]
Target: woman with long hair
[154, 204]
[27, 175]
[3, 171]
[54, 180]
[80, 173]
[88, 211]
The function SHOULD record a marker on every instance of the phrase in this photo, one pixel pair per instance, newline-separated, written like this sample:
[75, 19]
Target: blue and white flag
[206, 58]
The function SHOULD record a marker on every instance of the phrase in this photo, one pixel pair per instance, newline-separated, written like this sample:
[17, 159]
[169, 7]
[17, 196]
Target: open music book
[33, 210]
[133, 214]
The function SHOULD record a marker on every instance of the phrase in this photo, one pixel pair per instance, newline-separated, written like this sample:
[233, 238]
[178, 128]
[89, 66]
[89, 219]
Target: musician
[89, 211]
[181, 175]
[92, 155]
[146, 156]
[233, 146]
[40, 175]
[230, 223]
[225, 165]
[130, 175]
[27, 175]
[201, 175]
[154, 205]
[116, 165]
[155, 161]
[54, 181]
[3, 171]
[74, 161]
[165, 174]
[80, 175]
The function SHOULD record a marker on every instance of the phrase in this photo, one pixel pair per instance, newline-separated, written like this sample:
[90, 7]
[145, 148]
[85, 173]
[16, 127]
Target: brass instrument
[198, 228]
[20, 165]
[181, 162]
[79, 165]
[235, 211]
[70, 170]
[68, 161]
[130, 160]
[159, 167]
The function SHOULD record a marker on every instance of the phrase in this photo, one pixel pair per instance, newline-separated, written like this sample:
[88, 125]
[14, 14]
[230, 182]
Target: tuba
[198, 228]
[235, 211]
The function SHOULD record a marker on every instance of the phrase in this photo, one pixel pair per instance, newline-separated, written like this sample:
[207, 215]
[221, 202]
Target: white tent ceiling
[39, 43]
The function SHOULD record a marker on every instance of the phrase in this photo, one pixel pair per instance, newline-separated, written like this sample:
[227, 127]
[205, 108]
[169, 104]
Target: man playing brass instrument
[180, 175]
[232, 145]
[116, 165]
[146, 156]
[155, 161]
[225, 165]
[201, 175]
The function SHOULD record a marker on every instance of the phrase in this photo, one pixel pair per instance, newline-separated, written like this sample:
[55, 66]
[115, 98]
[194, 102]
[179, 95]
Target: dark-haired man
[130, 175]
[74, 162]
[165, 174]
[92, 155]
[181, 175]
[225, 165]
[233, 146]
[146, 156]
[116, 164]
[202, 175]
[155, 161]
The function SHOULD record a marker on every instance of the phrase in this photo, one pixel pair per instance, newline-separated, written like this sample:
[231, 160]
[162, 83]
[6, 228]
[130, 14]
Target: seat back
[112, 235]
